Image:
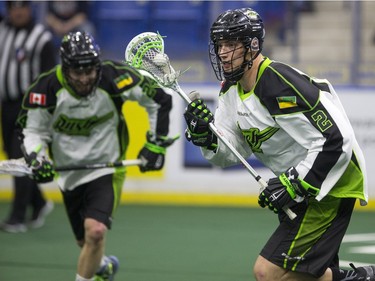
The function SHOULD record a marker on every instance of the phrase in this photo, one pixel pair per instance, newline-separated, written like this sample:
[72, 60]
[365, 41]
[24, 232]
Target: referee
[26, 50]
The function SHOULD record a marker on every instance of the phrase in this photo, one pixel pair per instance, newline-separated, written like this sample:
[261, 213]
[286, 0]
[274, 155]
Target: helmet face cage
[79, 51]
[244, 25]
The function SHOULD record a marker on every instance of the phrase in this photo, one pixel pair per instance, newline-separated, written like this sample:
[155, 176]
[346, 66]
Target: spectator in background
[275, 15]
[26, 50]
[68, 16]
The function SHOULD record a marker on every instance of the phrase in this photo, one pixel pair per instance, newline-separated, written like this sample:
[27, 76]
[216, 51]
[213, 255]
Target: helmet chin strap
[251, 60]
[71, 83]
[236, 75]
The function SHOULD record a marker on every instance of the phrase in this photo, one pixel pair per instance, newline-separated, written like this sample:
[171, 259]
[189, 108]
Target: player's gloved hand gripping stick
[146, 51]
[153, 152]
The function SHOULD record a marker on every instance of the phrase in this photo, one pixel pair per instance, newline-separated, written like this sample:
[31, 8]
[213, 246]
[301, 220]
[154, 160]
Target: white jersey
[289, 119]
[80, 131]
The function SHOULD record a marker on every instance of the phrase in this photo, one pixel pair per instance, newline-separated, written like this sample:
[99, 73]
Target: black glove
[198, 117]
[285, 189]
[42, 169]
[153, 152]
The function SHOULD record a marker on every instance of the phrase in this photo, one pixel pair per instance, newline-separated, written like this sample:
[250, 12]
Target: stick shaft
[222, 138]
[20, 168]
[124, 163]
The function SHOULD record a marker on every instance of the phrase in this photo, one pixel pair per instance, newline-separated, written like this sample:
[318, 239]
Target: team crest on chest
[79, 127]
[255, 137]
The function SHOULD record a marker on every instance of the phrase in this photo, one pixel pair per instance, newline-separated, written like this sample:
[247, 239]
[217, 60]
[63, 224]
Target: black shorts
[310, 243]
[96, 199]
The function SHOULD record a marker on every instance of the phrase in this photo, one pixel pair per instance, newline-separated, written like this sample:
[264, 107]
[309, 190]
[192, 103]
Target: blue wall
[184, 23]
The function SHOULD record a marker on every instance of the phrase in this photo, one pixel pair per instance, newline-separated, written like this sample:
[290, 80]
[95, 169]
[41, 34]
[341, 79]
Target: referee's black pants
[26, 191]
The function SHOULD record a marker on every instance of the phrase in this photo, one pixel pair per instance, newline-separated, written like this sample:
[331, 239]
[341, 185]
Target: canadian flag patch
[37, 98]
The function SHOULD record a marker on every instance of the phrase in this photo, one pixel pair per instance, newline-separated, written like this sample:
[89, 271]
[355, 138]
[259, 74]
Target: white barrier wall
[359, 104]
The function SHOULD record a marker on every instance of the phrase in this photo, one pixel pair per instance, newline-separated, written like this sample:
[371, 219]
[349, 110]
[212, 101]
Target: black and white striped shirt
[24, 54]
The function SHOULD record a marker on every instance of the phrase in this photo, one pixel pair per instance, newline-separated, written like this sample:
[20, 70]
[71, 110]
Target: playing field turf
[164, 243]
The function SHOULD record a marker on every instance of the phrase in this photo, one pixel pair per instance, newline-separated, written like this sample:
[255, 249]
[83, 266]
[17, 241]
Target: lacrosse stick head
[147, 44]
[146, 51]
[15, 167]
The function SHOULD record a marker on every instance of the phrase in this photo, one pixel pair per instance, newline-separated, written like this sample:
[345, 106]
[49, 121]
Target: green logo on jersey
[79, 127]
[255, 137]
[150, 87]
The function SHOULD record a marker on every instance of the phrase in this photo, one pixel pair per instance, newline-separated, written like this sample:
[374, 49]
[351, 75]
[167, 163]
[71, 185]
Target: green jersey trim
[351, 183]
[264, 64]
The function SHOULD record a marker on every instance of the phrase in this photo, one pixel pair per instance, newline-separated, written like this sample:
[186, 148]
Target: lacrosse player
[295, 125]
[75, 110]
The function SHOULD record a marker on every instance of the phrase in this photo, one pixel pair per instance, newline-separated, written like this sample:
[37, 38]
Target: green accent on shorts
[318, 218]
[118, 179]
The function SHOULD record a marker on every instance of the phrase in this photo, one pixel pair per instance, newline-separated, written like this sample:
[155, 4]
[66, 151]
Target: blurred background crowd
[331, 39]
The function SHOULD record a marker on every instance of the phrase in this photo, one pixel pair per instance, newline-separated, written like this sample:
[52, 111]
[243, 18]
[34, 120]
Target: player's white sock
[80, 278]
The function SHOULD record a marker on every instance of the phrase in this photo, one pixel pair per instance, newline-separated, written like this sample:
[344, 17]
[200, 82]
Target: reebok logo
[276, 195]
[193, 123]
[298, 258]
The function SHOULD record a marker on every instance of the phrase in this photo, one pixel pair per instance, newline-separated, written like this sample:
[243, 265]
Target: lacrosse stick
[19, 167]
[146, 51]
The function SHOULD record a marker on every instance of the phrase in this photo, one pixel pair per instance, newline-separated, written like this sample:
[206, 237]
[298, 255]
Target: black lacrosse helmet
[79, 51]
[244, 25]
